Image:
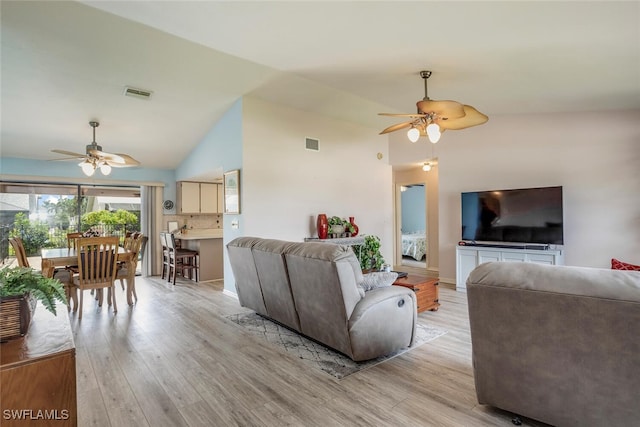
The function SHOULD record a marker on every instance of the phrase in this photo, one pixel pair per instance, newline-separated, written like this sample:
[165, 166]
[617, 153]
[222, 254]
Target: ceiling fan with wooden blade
[95, 158]
[434, 117]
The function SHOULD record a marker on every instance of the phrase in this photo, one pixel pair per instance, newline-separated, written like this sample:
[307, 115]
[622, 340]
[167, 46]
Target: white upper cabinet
[208, 198]
[199, 197]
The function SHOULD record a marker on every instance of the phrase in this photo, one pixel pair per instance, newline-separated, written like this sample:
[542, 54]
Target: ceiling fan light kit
[435, 117]
[94, 158]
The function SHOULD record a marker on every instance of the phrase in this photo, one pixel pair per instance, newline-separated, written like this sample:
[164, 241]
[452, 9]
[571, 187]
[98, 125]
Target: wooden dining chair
[47, 270]
[71, 244]
[21, 253]
[97, 267]
[180, 260]
[66, 278]
[126, 245]
[127, 269]
[71, 239]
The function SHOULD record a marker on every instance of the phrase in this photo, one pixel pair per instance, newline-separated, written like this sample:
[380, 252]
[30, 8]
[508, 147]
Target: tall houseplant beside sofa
[557, 344]
[313, 288]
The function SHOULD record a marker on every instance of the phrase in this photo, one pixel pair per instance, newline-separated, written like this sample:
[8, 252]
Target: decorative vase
[354, 233]
[323, 226]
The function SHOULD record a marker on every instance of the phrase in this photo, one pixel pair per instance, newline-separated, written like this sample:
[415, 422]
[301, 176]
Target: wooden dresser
[426, 289]
[38, 373]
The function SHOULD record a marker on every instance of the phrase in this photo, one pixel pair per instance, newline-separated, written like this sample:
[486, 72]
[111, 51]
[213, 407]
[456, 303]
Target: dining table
[62, 257]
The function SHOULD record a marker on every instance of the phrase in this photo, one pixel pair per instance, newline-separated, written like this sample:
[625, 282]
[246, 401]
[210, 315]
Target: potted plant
[336, 226]
[369, 254]
[20, 289]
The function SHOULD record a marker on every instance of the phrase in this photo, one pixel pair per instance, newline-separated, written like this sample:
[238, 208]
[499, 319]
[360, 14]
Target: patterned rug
[315, 354]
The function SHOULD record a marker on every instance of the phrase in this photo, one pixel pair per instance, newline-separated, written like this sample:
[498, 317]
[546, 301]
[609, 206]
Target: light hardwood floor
[173, 360]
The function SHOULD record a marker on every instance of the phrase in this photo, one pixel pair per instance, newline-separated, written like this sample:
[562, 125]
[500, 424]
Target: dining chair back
[97, 266]
[47, 269]
[128, 241]
[71, 239]
[21, 253]
[127, 269]
[143, 247]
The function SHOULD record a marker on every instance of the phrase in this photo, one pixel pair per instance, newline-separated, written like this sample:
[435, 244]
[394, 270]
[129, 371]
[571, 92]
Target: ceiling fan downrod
[425, 75]
[94, 145]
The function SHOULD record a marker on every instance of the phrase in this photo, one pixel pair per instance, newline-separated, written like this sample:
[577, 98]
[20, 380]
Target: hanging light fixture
[94, 158]
[413, 134]
[88, 167]
[433, 132]
[426, 167]
[434, 117]
[105, 168]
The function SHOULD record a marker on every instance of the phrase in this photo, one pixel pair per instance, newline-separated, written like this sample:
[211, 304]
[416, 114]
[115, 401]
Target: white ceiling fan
[434, 117]
[95, 158]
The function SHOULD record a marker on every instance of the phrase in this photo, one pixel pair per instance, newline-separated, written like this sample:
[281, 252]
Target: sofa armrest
[382, 322]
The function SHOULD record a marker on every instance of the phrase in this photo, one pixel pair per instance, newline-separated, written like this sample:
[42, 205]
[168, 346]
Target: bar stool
[165, 254]
[180, 260]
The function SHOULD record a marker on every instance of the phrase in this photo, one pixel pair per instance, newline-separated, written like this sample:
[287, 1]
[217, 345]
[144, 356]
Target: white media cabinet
[469, 257]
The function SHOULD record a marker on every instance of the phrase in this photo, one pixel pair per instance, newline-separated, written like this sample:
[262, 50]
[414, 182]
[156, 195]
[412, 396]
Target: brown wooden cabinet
[426, 289]
[38, 373]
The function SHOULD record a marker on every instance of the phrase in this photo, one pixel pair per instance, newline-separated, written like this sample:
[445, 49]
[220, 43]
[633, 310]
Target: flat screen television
[527, 215]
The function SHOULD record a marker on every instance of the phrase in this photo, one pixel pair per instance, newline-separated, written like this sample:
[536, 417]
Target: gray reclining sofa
[313, 288]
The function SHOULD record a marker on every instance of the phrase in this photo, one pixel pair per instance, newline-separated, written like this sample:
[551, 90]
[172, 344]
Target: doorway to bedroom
[416, 207]
[413, 201]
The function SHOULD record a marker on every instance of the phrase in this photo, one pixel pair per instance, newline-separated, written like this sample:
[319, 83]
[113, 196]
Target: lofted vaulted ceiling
[66, 63]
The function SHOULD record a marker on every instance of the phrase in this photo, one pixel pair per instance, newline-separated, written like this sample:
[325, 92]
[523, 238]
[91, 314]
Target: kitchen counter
[196, 234]
[209, 245]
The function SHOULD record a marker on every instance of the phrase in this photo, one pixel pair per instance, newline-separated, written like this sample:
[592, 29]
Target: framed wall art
[232, 192]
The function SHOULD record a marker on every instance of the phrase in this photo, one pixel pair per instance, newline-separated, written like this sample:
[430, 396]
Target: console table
[349, 241]
[38, 373]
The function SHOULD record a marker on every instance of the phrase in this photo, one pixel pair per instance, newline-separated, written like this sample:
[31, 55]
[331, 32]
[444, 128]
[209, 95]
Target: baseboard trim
[229, 293]
[448, 282]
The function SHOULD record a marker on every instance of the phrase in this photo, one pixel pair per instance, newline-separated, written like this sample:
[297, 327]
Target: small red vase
[355, 227]
[322, 226]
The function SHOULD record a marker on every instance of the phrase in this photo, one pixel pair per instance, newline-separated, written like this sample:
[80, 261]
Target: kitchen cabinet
[199, 197]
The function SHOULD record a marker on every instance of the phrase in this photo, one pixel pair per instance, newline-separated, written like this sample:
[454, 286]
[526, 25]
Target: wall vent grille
[137, 93]
[312, 144]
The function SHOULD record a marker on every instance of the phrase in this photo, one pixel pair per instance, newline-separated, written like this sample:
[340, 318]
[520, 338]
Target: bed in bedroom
[414, 245]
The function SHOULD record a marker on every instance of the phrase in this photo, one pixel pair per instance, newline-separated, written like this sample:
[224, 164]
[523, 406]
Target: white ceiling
[66, 63]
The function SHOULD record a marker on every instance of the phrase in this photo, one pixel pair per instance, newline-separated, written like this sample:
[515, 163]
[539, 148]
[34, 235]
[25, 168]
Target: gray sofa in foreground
[557, 344]
[313, 288]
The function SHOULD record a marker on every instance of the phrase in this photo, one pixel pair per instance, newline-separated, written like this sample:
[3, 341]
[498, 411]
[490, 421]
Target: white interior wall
[594, 156]
[285, 186]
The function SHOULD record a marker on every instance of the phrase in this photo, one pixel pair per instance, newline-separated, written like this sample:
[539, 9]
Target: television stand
[534, 246]
[471, 255]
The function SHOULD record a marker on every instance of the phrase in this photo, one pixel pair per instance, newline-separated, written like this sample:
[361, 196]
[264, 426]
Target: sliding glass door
[42, 214]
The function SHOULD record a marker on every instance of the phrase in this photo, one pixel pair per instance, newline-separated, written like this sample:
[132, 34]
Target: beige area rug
[317, 355]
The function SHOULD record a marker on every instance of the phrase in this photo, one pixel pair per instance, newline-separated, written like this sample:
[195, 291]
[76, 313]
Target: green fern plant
[18, 281]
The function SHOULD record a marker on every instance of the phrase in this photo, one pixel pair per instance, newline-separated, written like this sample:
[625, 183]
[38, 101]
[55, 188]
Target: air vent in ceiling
[312, 144]
[137, 93]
